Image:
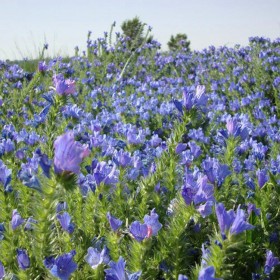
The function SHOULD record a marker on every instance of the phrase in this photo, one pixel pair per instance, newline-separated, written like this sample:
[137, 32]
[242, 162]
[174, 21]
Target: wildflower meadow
[126, 163]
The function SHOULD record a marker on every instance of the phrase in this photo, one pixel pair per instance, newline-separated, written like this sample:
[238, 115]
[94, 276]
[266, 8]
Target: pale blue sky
[26, 24]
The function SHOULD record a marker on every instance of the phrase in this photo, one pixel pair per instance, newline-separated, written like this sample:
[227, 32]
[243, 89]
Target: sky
[25, 25]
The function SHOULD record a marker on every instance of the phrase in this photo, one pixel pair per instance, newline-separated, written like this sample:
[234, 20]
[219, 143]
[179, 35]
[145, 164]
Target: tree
[179, 42]
[134, 29]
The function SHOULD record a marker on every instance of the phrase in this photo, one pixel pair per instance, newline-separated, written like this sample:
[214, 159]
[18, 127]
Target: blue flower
[42, 66]
[103, 172]
[205, 209]
[215, 171]
[72, 111]
[117, 271]
[63, 266]
[207, 273]
[61, 206]
[206, 253]
[152, 222]
[2, 271]
[276, 81]
[192, 97]
[114, 222]
[225, 218]
[259, 150]
[155, 141]
[195, 149]
[28, 177]
[17, 220]
[229, 221]
[65, 222]
[2, 229]
[23, 259]
[180, 148]
[44, 162]
[150, 227]
[62, 86]
[270, 262]
[30, 224]
[5, 175]
[235, 129]
[198, 192]
[139, 231]
[205, 191]
[94, 258]
[239, 224]
[182, 277]
[262, 177]
[122, 158]
[68, 153]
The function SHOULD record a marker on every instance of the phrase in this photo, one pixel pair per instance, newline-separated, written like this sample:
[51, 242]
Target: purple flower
[114, 222]
[65, 222]
[61, 267]
[262, 177]
[103, 172]
[23, 259]
[205, 191]
[5, 175]
[198, 99]
[30, 224]
[2, 271]
[123, 158]
[205, 209]
[182, 277]
[192, 97]
[61, 206]
[225, 218]
[42, 66]
[49, 262]
[228, 220]
[17, 220]
[180, 148]
[259, 150]
[150, 227]
[94, 258]
[153, 224]
[155, 141]
[139, 231]
[117, 271]
[276, 81]
[68, 153]
[62, 86]
[239, 224]
[188, 194]
[215, 171]
[270, 262]
[199, 192]
[231, 125]
[235, 128]
[44, 162]
[252, 208]
[195, 149]
[206, 253]
[207, 273]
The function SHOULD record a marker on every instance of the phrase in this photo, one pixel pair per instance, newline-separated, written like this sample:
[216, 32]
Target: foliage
[134, 30]
[128, 163]
[179, 42]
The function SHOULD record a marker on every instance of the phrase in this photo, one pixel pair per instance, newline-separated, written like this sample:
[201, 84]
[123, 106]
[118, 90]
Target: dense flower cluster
[121, 165]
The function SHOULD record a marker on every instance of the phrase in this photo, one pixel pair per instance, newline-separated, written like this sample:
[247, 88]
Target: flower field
[131, 163]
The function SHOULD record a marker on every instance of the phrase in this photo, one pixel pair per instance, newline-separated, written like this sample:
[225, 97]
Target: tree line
[134, 30]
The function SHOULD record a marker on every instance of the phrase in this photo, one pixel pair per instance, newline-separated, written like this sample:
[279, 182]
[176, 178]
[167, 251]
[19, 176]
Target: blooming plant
[120, 164]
